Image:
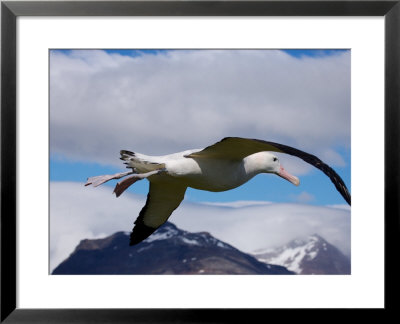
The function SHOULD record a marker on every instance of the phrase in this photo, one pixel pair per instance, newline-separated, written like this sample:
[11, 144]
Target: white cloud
[303, 197]
[159, 104]
[345, 207]
[331, 157]
[237, 204]
[78, 212]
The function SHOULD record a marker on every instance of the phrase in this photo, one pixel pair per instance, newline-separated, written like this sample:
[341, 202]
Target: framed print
[196, 72]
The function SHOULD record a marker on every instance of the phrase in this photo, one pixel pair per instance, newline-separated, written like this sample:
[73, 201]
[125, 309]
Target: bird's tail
[123, 184]
[98, 180]
[140, 163]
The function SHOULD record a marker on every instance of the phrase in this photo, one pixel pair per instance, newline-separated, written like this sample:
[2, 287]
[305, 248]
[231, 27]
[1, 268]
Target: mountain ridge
[169, 250]
[309, 255]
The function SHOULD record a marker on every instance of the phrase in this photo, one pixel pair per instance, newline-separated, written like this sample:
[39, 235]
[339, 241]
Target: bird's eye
[275, 159]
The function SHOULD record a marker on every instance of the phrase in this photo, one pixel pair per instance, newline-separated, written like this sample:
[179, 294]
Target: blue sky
[76, 86]
[298, 53]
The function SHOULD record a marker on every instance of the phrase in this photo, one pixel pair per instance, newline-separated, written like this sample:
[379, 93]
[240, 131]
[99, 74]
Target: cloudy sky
[164, 101]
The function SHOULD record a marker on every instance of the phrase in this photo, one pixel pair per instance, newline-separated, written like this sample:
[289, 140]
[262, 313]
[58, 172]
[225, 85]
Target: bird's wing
[163, 198]
[237, 148]
[234, 148]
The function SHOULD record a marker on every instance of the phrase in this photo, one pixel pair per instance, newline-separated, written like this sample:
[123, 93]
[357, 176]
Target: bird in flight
[222, 166]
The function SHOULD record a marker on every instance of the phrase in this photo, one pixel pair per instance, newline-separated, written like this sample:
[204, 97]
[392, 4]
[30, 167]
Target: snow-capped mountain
[312, 255]
[169, 250]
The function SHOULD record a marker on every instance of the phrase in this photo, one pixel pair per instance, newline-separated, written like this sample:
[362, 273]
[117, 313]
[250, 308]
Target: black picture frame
[10, 10]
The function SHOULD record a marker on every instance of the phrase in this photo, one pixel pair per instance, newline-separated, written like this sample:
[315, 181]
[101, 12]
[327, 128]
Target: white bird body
[213, 174]
[219, 167]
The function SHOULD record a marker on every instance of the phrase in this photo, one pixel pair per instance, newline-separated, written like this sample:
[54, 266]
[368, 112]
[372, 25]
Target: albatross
[222, 166]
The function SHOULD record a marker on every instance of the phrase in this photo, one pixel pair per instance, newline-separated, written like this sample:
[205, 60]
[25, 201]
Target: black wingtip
[338, 182]
[139, 233]
[347, 197]
[132, 243]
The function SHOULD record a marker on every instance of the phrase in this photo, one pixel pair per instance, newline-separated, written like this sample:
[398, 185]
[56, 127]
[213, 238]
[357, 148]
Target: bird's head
[271, 164]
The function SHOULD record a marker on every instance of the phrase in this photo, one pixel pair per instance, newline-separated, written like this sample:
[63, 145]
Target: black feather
[141, 231]
[125, 152]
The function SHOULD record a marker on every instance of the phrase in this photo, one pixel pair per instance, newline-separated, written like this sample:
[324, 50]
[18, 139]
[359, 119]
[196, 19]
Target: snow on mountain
[311, 255]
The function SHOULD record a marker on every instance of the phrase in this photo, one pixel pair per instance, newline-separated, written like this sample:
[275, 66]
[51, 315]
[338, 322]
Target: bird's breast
[208, 174]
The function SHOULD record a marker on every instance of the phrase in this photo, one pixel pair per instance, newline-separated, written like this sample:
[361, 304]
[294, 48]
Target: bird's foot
[127, 182]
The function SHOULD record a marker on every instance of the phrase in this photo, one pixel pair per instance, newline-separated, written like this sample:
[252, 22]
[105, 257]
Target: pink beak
[285, 175]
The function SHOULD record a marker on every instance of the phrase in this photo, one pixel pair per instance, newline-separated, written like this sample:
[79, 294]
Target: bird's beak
[285, 175]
